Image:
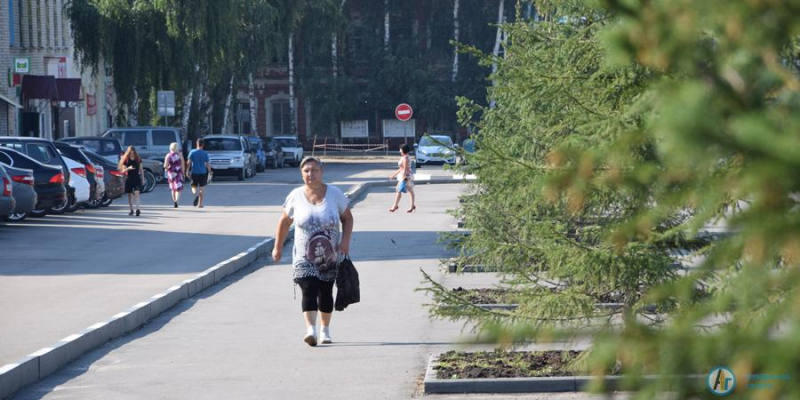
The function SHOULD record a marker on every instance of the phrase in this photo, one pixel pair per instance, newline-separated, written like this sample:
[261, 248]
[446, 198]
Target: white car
[435, 149]
[78, 181]
[227, 154]
[292, 149]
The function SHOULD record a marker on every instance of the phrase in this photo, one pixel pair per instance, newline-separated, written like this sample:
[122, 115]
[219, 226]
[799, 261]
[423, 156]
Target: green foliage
[622, 133]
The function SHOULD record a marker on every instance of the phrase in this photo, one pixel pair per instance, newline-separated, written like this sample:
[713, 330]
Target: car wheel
[64, 206]
[240, 175]
[149, 181]
[92, 204]
[38, 213]
[16, 217]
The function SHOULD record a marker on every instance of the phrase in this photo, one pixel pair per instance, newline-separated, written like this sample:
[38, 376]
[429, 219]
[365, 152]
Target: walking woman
[317, 210]
[131, 165]
[405, 181]
[175, 165]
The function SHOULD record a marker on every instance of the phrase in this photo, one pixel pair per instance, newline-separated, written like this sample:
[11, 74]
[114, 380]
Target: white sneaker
[325, 335]
[311, 337]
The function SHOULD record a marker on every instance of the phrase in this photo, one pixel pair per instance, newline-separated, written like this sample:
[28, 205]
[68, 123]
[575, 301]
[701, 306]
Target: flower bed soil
[504, 364]
[506, 296]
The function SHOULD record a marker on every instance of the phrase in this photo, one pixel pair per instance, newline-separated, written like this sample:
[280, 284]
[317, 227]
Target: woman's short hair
[173, 146]
[309, 159]
[405, 148]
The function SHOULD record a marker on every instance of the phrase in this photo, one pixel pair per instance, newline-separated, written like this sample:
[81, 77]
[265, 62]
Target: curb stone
[433, 385]
[38, 365]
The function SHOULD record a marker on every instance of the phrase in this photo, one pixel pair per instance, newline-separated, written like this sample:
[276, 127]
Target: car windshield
[286, 142]
[435, 141]
[223, 145]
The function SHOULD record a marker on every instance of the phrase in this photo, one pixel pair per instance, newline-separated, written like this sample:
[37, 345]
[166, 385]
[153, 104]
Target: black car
[76, 154]
[48, 181]
[274, 153]
[45, 152]
[107, 147]
[114, 180]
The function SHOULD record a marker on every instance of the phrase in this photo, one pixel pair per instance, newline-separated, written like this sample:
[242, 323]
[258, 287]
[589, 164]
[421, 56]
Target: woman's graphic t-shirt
[317, 233]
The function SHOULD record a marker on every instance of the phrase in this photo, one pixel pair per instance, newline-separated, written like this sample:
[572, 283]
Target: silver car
[7, 201]
[24, 193]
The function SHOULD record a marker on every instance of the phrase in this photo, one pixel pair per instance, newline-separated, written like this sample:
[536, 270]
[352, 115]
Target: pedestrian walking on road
[405, 180]
[198, 169]
[174, 166]
[131, 165]
[318, 211]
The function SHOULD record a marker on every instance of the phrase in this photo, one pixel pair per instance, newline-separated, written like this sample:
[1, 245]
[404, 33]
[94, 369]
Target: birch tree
[291, 84]
[253, 102]
[455, 39]
[386, 26]
[226, 113]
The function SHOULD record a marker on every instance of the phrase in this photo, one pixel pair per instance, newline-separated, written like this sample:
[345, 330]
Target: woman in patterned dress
[174, 166]
[323, 227]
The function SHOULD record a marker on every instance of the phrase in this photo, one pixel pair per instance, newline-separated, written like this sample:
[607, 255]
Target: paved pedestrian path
[242, 339]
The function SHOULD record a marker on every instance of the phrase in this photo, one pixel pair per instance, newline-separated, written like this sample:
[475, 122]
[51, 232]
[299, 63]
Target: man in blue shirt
[198, 169]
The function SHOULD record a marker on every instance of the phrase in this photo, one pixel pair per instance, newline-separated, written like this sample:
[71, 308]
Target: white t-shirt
[317, 232]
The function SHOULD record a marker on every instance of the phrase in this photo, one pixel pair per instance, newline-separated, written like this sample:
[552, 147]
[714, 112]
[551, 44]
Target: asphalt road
[61, 274]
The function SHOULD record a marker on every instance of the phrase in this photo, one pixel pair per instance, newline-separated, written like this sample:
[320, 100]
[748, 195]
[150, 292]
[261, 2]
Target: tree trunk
[133, 115]
[499, 37]
[335, 47]
[253, 103]
[386, 26]
[291, 84]
[227, 110]
[187, 108]
[455, 38]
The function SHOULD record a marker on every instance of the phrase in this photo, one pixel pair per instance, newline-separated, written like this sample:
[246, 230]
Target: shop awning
[69, 89]
[9, 101]
[39, 87]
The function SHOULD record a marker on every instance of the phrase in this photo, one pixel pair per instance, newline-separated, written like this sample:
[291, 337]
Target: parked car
[273, 153]
[90, 173]
[151, 142]
[7, 201]
[79, 182]
[22, 191]
[467, 147]
[260, 156]
[48, 181]
[228, 155]
[292, 149]
[435, 149]
[107, 147]
[114, 179]
[45, 152]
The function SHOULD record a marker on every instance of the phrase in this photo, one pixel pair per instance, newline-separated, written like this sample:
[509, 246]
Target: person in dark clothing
[131, 164]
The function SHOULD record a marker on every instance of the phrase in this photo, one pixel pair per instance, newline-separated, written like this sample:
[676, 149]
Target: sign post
[404, 112]
[166, 104]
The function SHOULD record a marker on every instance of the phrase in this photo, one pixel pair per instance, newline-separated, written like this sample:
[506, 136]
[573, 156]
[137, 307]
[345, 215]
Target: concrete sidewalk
[242, 339]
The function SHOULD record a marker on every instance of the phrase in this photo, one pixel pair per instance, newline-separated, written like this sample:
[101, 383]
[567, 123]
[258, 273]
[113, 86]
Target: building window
[47, 24]
[63, 25]
[11, 22]
[55, 24]
[281, 117]
[30, 25]
[39, 24]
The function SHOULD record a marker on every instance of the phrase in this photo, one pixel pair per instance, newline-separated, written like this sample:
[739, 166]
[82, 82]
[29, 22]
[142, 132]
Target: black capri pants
[317, 294]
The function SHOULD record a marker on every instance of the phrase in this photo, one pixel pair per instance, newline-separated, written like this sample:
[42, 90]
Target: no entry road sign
[403, 112]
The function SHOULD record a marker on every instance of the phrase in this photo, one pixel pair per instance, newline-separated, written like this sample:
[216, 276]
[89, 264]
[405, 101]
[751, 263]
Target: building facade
[43, 92]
